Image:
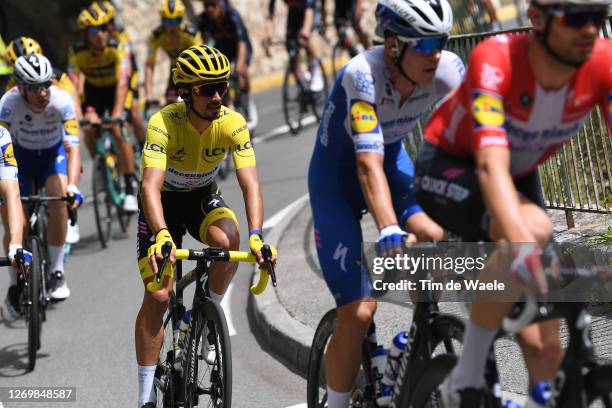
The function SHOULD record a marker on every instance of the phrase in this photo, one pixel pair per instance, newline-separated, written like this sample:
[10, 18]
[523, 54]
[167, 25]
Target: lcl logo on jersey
[212, 155]
[245, 149]
[363, 117]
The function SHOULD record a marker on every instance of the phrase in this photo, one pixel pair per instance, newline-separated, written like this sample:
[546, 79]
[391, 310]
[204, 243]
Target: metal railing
[579, 176]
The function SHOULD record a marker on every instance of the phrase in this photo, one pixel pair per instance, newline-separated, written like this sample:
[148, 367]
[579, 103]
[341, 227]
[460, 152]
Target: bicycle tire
[436, 370]
[33, 314]
[166, 379]
[443, 329]
[318, 99]
[123, 217]
[101, 200]
[598, 384]
[294, 123]
[316, 396]
[220, 376]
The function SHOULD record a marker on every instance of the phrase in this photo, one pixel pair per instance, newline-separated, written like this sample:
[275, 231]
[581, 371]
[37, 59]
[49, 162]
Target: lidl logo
[488, 110]
[8, 155]
[363, 117]
[71, 127]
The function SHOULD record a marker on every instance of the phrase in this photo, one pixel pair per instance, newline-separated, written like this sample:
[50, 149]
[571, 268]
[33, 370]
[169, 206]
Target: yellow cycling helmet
[23, 46]
[107, 7]
[172, 9]
[92, 16]
[200, 63]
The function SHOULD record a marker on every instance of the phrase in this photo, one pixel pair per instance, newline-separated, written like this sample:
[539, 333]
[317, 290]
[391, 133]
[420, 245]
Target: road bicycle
[431, 333]
[184, 378]
[298, 97]
[37, 281]
[581, 380]
[107, 182]
[344, 49]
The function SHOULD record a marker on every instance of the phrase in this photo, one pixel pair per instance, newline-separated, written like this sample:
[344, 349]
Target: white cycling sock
[146, 390]
[56, 253]
[337, 399]
[215, 296]
[469, 371]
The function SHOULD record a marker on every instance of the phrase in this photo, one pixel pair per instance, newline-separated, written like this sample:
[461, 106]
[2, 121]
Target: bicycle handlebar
[218, 255]
[105, 122]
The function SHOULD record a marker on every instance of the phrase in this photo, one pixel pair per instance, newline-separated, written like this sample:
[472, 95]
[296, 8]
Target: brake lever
[267, 255]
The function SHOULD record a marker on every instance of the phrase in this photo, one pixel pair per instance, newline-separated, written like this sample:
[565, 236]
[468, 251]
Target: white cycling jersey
[44, 130]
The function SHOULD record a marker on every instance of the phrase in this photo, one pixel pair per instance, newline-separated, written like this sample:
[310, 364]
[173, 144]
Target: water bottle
[180, 335]
[539, 395]
[398, 345]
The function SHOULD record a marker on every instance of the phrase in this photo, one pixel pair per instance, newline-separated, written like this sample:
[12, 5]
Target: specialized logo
[491, 77]
[364, 82]
[68, 112]
[363, 117]
[8, 155]
[487, 110]
[71, 127]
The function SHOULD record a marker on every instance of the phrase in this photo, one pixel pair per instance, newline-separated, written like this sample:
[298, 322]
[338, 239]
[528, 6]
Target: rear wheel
[103, 207]
[210, 381]
[293, 100]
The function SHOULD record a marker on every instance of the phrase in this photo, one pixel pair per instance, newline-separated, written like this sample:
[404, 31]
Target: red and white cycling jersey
[501, 104]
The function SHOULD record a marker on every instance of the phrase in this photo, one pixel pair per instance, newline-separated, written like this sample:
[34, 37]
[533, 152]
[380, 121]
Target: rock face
[53, 24]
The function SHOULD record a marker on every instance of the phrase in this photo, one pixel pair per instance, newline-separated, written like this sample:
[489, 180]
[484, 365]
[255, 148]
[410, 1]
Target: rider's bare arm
[150, 193]
[375, 188]
[9, 189]
[253, 201]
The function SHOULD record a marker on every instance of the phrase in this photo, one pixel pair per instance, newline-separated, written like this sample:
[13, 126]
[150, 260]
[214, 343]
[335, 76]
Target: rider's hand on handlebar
[27, 256]
[527, 263]
[155, 250]
[73, 191]
[255, 244]
[391, 240]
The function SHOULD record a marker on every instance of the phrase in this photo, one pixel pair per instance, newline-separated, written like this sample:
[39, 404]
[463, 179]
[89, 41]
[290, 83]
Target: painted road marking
[281, 130]
[304, 405]
[225, 305]
[276, 218]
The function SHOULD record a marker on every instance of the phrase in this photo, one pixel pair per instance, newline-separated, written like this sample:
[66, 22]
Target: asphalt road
[88, 340]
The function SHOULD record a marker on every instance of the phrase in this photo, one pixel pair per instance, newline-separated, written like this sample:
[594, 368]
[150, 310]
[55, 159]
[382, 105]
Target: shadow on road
[13, 360]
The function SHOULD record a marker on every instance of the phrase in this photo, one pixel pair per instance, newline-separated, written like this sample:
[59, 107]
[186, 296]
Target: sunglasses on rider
[171, 21]
[425, 45]
[578, 18]
[38, 88]
[209, 90]
[96, 29]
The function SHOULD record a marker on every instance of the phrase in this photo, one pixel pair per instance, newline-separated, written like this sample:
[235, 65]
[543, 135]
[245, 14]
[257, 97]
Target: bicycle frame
[106, 147]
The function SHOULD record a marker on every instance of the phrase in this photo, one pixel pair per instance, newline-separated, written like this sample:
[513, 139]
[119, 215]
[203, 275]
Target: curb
[274, 327]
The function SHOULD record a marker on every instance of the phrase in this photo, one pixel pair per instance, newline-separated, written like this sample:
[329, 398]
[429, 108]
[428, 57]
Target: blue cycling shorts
[337, 207]
[39, 164]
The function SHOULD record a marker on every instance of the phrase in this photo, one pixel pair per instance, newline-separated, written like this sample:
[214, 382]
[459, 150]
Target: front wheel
[316, 387]
[426, 393]
[33, 301]
[208, 370]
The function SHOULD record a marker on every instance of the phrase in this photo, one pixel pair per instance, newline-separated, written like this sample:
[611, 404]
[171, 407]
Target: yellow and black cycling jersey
[60, 79]
[191, 159]
[188, 36]
[100, 70]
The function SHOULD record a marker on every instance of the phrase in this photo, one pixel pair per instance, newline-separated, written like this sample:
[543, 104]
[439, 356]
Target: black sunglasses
[38, 88]
[578, 18]
[209, 90]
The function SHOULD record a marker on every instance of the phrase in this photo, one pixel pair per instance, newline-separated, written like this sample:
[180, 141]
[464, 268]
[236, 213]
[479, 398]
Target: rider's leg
[542, 350]
[55, 185]
[222, 233]
[5, 243]
[127, 163]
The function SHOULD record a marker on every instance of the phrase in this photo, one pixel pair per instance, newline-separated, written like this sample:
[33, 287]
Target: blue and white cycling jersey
[364, 113]
[39, 137]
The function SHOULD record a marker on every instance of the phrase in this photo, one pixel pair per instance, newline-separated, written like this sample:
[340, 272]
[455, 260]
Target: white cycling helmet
[414, 18]
[33, 69]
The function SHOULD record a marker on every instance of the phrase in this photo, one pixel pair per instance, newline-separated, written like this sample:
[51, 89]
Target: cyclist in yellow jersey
[119, 33]
[100, 68]
[6, 68]
[26, 46]
[173, 36]
[185, 144]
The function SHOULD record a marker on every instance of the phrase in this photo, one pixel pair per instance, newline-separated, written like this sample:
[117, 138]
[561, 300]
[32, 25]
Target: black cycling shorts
[184, 211]
[344, 11]
[100, 98]
[448, 190]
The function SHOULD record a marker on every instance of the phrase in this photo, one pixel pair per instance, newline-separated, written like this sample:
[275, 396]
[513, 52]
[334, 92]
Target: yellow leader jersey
[100, 70]
[191, 159]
